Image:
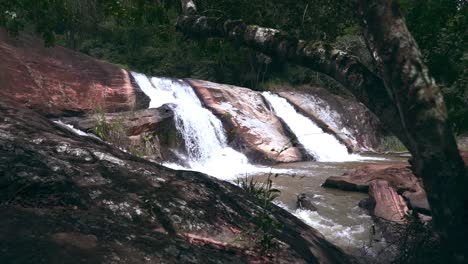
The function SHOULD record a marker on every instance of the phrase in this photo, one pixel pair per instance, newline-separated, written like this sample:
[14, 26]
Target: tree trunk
[424, 118]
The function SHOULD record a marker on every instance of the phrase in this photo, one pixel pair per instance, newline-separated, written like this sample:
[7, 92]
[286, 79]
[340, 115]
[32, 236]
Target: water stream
[338, 216]
[322, 146]
[206, 147]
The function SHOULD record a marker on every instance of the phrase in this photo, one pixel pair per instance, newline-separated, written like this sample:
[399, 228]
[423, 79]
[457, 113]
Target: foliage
[113, 131]
[439, 27]
[391, 144]
[267, 224]
[140, 35]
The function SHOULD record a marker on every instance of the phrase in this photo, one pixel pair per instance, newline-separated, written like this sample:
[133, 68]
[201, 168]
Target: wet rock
[57, 216]
[251, 126]
[342, 116]
[304, 202]
[57, 81]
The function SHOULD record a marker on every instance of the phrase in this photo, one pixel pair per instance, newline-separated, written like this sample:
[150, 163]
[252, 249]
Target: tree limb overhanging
[424, 117]
[318, 56]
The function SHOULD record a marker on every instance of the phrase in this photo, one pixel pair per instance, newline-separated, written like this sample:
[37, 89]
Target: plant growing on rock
[267, 224]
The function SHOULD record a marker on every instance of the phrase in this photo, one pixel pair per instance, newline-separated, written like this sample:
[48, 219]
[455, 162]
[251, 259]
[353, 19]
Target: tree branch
[321, 57]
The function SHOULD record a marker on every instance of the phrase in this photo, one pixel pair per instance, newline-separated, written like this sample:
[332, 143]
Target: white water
[323, 146]
[345, 236]
[203, 133]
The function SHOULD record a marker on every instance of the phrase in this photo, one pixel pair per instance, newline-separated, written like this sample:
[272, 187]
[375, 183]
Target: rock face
[71, 199]
[346, 118]
[57, 81]
[251, 125]
[150, 133]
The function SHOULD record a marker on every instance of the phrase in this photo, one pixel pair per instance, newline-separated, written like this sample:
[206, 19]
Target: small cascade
[203, 133]
[322, 146]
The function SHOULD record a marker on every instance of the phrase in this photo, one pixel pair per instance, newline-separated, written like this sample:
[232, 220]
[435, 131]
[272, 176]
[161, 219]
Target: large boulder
[72, 199]
[342, 116]
[251, 126]
[58, 81]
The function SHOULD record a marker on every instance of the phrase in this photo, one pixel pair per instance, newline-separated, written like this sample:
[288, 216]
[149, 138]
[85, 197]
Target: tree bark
[321, 57]
[424, 118]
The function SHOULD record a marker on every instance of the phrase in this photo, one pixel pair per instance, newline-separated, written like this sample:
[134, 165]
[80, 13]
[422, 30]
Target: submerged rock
[60, 207]
[304, 202]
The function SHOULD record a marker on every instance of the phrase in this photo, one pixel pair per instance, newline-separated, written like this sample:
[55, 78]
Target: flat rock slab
[398, 175]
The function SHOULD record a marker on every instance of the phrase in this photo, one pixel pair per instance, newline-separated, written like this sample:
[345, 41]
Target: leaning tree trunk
[424, 118]
[407, 100]
[347, 70]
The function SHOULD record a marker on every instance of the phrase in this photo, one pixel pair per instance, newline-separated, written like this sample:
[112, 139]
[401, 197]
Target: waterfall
[203, 133]
[323, 146]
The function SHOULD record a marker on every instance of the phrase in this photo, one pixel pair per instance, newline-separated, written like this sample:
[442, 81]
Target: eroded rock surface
[251, 125]
[58, 81]
[71, 199]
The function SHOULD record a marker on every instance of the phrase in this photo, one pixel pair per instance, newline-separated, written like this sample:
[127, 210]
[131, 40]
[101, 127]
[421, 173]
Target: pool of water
[338, 216]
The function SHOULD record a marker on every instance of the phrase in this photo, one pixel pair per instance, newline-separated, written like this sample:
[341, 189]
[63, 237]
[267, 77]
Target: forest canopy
[140, 35]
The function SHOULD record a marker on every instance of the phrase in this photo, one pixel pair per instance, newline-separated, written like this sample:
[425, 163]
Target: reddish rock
[58, 81]
[388, 204]
[385, 184]
[252, 127]
[398, 175]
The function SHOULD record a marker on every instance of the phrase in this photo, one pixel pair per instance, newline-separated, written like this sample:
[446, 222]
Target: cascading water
[323, 146]
[203, 133]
